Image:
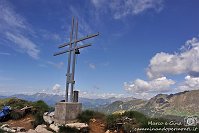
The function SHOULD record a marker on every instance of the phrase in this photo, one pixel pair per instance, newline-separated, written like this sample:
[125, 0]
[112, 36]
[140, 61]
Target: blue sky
[145, 47]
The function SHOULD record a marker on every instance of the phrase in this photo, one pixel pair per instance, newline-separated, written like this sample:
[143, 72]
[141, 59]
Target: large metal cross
[72, 52]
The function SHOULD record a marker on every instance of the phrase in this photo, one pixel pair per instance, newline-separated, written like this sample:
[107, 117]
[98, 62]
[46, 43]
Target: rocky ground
[24, 125]
[38, 129]
[24, 122]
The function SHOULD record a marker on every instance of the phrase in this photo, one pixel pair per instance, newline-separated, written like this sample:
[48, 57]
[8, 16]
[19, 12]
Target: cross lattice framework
[72, 51]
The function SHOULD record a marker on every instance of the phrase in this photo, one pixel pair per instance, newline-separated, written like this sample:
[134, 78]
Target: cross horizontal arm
[68, 50]
[64, 45]
[79, 40]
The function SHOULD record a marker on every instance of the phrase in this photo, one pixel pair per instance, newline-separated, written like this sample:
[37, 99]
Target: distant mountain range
[52, 99]
[173, 105]
[2, 97]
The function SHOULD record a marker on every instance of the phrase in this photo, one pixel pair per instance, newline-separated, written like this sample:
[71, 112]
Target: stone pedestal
[66, 112]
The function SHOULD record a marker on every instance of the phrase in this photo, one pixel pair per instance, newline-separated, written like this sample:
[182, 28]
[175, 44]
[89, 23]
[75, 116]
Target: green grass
[39, 107]
[14, 103]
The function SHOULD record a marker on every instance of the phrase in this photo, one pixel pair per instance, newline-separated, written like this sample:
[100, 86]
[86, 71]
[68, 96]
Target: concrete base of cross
[66, 112]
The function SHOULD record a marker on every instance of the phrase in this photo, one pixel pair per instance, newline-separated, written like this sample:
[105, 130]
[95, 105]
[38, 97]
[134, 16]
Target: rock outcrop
[48, 117]
[38, 129]
[7, 128]
[42, 129]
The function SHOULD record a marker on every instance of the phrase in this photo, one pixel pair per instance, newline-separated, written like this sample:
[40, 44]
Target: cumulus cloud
[190, 83]
[144, 88]
[122, 8]
[56, 88]
[186, 61]
[13, 28]
[163, 64]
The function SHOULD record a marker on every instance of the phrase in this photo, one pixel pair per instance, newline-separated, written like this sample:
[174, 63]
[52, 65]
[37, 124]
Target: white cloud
[187, 61]
[163, 64]
[14, 28]
[145, 88]
[92, 66]
[190, 83]
[122, 8]
[24, 44]
[9, 17]
[56, 88]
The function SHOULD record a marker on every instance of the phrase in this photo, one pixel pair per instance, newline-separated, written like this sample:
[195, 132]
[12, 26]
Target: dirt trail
[24, 122]
[96, 126]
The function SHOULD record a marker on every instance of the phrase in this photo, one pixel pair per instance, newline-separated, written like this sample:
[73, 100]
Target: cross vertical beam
[72, 51]
[73, 65]
[69, 62]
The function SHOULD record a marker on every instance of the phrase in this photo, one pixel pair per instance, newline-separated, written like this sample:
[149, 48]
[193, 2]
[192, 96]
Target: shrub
[40, 107]
[86, 115]
[15, 115]
[111, 120]
[38, 120]
[64, 129]
[114, 120]
[140, 118]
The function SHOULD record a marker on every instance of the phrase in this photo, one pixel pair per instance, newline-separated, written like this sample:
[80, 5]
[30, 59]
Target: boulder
[42, 129]
[31, 131]
[7, 129]
[13, 131]
[51, 114]
[108, 131]
[77, 125]
[47, 119]
[54, 127]
[5, 125]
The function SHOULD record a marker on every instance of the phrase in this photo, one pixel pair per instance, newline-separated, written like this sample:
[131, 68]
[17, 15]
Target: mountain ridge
[179, 104]
[52, 99]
